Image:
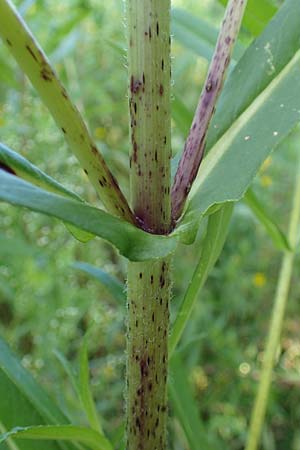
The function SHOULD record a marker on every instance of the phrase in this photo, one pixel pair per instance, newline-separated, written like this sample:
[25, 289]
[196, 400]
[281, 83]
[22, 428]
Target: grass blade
[91, 438]
[212, 246]
[86, 396]
[113, 285]
[278, 237]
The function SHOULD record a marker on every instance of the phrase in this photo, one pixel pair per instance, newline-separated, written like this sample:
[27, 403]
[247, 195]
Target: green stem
[147, 354]
[36, 66]
[149, 282]
[149, 103]
[281, 297]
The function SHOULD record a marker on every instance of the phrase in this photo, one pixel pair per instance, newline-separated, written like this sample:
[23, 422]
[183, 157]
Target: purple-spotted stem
[195, 144]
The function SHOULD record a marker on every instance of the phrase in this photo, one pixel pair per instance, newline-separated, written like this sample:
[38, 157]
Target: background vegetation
[48, 304]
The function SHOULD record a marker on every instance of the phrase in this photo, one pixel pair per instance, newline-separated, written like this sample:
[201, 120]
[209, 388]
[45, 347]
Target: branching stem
[195, 143]
[36, 66]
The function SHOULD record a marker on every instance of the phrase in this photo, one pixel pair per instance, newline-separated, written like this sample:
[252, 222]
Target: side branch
[36, 66]
[195, 143]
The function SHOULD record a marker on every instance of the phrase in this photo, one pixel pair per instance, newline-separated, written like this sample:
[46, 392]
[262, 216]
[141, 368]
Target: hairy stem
[195, 143]
[36, 66]
[281, 297]
[147, 354]
[149, 103]
[149, 282]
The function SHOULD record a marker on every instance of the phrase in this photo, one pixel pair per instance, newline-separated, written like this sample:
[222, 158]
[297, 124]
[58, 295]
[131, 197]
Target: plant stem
[281, 297]
[36, 66]
[149, 282]
[195, 144]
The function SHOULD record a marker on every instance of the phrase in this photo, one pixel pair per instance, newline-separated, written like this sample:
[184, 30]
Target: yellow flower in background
[100, 133]
[259, 279]
[266, 181]
[199, 379]
[109, 372]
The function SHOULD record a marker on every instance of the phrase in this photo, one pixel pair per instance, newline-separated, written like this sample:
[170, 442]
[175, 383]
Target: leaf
[68, 369]
[91, 438]
[30, 57]
[278, 237]
[14, 163]
[23, 401]
[85, 393]
[198, 35]
[113, 285]
[258, 14]
[131, 242]
[187, 410]
[270, 96]
[214, 240]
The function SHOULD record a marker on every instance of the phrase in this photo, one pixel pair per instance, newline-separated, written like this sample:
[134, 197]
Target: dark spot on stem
[157, 28]
[63, 130]
[8, 42]
[31, 52]
[161, 90]
[47, 74]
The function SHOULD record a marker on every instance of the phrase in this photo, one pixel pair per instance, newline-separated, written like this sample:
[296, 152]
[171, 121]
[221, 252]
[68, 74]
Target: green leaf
[12, 162]
[85, 393]
[131, 242]
[23, 401]
[198, 35]
[254, 115]
[113, 285]
[214, 240]
[187, 410]
[260, 211]
[91, 438]
[257, 15]
[68, 369]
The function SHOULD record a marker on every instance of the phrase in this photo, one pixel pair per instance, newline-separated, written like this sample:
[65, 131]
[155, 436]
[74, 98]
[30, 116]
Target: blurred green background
[47, 304]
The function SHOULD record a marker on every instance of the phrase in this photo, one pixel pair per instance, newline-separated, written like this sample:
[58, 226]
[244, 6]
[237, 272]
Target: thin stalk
[195, 144]
[36, 66]
[149, 282]
[281, 297]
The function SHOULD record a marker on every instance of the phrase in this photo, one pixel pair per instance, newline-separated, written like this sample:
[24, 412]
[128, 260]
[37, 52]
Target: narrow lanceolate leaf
[260, 211]
[113, 285]
[131, 242]
[24, 402]
[254, 115]
[15, 164]
[91, 438]
[186, 409]
[216, 233]
[195, 143]
[85, 393]
[36, 66]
